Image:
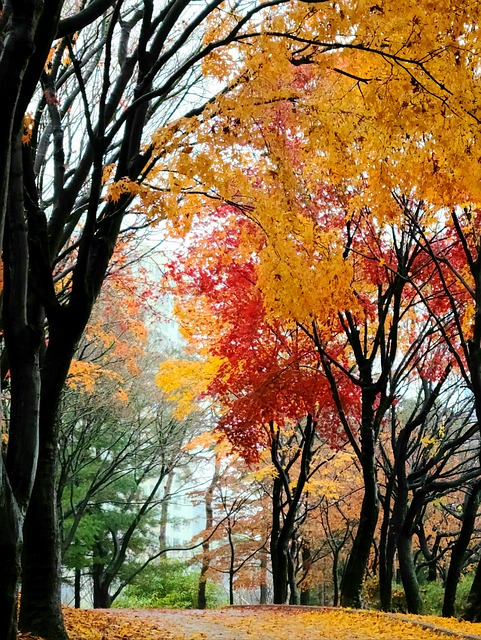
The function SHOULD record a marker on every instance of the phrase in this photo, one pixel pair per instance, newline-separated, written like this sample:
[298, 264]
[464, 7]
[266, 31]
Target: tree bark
[351, 585]
[41, 611]
[283, 524]
[335, 577]
[279, 571]
[22, 339]
[408, 572]
[164, 512]
[387, 548]
[77, 588]
[10, 550]
[263, 574]
[209, 521]
[291, 572]
[472, 613]
[457, 555]
[102, 599]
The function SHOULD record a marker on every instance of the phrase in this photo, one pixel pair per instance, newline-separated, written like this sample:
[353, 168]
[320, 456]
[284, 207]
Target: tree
[57, 257]
[344, 342]
[114, 461]
[456, 267]
[202, 590]
[429, 61]
[119, 442]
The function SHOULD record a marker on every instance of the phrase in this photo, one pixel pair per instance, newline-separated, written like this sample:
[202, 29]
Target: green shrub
[169, 584]
[432, 595]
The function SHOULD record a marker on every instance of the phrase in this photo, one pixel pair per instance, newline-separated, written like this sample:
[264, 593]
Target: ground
[261, 623]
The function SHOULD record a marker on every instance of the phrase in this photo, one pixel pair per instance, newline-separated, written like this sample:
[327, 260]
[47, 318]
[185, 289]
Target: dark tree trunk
[279, 571]
[231, 563]
[102, 598]
[394, 523]
[22, 339]
[458, 553]
[10, 549]
[19, 74]
[472, 613]
[263, 572]
[408, 573]
[201, 594]
[277, 550]
[77, 588]
[335, 577]
[351, 586]
[386, 555]
[291, 574]
[404, 545]
[41, 611]
[283, 524]
[432, 572]
[209, 521]
[231, 587]
[386, 570]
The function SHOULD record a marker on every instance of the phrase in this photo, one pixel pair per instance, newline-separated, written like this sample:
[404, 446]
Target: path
[261, 623]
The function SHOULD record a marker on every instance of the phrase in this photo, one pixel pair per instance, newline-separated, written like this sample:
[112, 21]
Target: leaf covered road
[259, 623]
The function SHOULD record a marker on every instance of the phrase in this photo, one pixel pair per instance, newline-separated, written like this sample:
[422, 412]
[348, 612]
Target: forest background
[320, 164]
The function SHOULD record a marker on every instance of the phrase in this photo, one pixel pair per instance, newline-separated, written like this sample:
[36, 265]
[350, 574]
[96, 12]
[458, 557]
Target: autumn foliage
[325, 191]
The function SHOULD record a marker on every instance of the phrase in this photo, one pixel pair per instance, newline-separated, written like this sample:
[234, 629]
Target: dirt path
[260, 623]
[195, 624]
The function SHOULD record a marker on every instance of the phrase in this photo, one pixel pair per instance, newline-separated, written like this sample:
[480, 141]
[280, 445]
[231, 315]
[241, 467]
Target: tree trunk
[283, 524]
[387, 549]
[209, 521]
[404, 541]
[263, 572]
[164, 512]
[335, 577]
[408, 573]
[278, 548]
[351, 586]
[231, 562]
[19, 74]
[10, 550]
[305, 595]
[472, 613]
[77, 588]
[41, 611]
[291, 574]
[279, 571]
[102, 598]
[457, 555]
[231, 587]
[22, 340]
